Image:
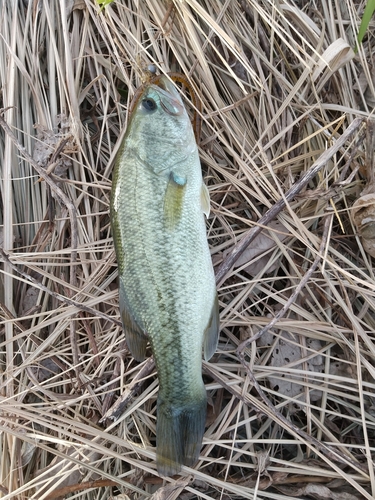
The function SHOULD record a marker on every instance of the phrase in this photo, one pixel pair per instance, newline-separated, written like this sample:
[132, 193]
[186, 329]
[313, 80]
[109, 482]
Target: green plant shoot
[369, 10]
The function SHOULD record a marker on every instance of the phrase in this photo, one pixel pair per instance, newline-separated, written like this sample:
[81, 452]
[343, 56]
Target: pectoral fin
[135, 337]
[173, 201]
[205, 200]
[211, 334]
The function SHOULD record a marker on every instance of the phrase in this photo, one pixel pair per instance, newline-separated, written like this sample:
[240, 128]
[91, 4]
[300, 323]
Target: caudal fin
[179, 434]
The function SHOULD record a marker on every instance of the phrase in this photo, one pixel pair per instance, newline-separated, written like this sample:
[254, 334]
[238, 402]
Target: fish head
[160, 116]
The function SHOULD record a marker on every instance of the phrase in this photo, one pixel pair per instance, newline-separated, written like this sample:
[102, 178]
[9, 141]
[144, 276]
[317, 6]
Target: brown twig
[121, 354]
[370, 144]
[232, 106]
[62, 492]
[170, 13]
[116, 410]
[240, 247]
[92, 339]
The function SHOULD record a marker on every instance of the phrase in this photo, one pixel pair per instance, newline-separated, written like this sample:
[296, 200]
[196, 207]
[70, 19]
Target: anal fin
[211, 334]
[135, 337]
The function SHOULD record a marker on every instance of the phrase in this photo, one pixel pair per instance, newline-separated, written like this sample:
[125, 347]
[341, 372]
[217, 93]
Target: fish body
[167, 290]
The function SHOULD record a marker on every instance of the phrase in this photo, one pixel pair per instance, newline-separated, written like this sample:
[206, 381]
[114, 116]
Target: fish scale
[167, 285]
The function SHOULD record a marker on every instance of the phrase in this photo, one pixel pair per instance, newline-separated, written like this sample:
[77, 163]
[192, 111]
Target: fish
[167, 291]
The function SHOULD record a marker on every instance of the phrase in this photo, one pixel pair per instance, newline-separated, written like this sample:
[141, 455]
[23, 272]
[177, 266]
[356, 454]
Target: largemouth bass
[167, 290]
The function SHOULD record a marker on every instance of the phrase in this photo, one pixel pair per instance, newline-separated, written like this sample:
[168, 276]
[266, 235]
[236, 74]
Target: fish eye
[149, 104]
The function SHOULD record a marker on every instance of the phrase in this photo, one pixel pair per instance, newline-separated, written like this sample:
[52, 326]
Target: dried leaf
[340, 369]
[28, 449]
[30, 300]
[303, 21]
[171, 491]
[285, 353]
[333, 58]
[263, 459]
[264, 243]
[317, 491]
[52, 150]
[265, 480]
[47, 368]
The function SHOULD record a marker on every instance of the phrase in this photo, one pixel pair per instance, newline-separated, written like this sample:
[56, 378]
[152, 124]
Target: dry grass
[294, 414]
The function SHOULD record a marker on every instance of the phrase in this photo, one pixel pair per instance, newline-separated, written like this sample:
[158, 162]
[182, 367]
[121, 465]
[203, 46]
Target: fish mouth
[170, 100]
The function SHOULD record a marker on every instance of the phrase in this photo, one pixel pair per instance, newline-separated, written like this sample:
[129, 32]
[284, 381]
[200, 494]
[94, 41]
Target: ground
[285, 99]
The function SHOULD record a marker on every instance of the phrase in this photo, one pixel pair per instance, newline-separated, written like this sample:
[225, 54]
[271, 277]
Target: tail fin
[179, 434]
